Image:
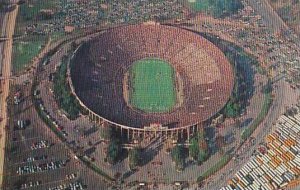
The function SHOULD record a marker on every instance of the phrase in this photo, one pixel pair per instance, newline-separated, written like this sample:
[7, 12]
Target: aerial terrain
[134, 95]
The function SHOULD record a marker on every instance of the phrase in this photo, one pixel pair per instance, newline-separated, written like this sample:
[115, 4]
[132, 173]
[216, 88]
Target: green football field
[152, 85]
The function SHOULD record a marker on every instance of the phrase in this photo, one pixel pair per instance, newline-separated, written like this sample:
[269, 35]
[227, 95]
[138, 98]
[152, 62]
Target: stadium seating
[100, 69]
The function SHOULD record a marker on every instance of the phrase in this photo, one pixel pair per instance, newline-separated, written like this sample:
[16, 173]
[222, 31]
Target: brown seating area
[99, 71]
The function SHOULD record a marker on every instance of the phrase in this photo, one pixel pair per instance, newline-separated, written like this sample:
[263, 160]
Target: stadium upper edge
[204, 75]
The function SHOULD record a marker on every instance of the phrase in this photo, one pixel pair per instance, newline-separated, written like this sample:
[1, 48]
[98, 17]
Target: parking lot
[35, 157]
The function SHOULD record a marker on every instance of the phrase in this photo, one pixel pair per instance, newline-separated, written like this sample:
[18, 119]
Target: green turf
[199, 5]
[24, 51]
[29, 14]
[30, 10]
[152, 85]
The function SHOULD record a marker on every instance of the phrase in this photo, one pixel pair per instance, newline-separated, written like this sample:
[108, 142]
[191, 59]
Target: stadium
[151, 77]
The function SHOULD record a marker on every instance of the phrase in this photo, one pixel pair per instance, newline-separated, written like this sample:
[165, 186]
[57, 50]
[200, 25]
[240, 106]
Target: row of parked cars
[71, 186]
[35, 158]
[54, 122]
[30, 184]
[71, 176]
[40, 144]
[28, 169]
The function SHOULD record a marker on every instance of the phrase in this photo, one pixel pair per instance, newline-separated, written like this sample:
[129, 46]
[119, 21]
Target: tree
[222, 8]
[202, 156]
[268, 87]
[177, 154]
[246, 133]
[200, 147]
[203, 151]
[232, 109]
[113, 151]
[194, 148]
[65, 99]
[134, 158]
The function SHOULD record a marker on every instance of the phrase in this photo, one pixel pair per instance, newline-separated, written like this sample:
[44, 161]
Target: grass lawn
[24, 51]
[261, 116]
[30, 10]
[198, 5]
[152, 85]
[29, 13]
[219, 165]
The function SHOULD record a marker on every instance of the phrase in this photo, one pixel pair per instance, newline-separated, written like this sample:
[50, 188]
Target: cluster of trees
[232, 108]
[135, 157]
[65, 99]
[243, 88]
[114, 151]
[178, 156]
[218, 8]
[221, 8]
[198, 149]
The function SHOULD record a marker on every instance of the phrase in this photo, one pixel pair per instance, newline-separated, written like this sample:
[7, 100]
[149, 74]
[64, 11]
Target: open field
[152, 85]
[198, 5]
[30, 14]
[30, 10]
[26, 48]
[24, 51]
[217, 8]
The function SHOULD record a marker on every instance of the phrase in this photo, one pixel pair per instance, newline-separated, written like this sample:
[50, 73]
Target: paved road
[271, 18]
[6, 73]
[282, 99]
[245, 152]
[4, 22]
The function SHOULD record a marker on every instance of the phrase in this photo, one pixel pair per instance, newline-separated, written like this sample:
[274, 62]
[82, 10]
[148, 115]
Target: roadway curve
[280, 101]
[9, 26]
